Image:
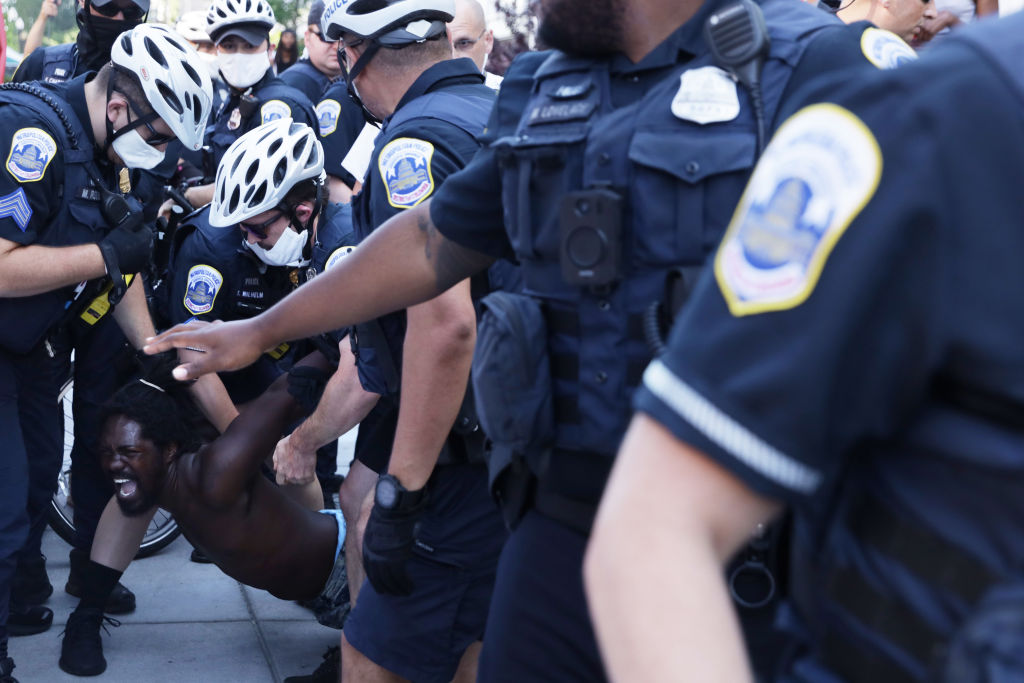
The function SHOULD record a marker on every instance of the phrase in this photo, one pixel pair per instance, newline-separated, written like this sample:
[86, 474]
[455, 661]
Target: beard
[586, 28]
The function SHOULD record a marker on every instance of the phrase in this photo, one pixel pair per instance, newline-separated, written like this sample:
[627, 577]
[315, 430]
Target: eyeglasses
[320, 35]
[132, 12]
[156, 138]
[260, 230]
[463, 44]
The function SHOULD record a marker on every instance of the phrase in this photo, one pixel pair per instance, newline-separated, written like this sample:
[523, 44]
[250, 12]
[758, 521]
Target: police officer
[97, 345]
[341, 122]
[241, 31]
[64, 141]
[875, 389]
[610, 162]
[315, 72]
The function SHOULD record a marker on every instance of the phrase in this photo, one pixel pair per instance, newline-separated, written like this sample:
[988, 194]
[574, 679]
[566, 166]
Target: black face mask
[96, 35]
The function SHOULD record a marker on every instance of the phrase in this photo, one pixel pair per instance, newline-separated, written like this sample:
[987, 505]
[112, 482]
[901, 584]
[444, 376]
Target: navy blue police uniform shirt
[268, 100]
[341, 120]
[864, 289]
[409, 162]
[656, 132]
[307, 79]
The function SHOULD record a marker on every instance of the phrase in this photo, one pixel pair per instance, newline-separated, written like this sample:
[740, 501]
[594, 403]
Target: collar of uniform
[75, 96]
[687, 40]
[460, 71]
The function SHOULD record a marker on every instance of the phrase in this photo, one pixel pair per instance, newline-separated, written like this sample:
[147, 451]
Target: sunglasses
[259, 230]
[130, 13]
[156, 138]
[320, 35]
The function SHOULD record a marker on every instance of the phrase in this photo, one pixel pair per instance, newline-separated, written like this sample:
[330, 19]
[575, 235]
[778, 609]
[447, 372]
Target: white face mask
[134, 151]
[241, 69]
[287, 251]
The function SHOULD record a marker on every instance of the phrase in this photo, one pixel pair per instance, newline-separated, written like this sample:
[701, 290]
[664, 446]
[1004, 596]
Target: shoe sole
[81, 672]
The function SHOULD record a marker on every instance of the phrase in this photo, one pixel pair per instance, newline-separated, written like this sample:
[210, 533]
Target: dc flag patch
[274, 110]
[32, 150]
[885, 49]
[327, 113]
[16, 207]
[405, 169]
[820, 170]
[201, 291]
[337, 255]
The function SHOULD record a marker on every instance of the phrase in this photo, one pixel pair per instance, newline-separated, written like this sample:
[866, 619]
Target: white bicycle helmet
[225, 13]
[192, 27]
[163, 61]
[390, 22]
[261, 167]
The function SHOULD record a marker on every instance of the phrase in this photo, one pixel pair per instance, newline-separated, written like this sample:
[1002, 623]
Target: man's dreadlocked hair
[160, 404]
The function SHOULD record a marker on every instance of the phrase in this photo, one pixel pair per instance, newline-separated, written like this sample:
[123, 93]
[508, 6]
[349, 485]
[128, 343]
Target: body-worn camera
[591, 237]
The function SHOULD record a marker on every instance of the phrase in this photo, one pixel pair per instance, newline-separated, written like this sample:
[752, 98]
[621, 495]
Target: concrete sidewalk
[192, 623]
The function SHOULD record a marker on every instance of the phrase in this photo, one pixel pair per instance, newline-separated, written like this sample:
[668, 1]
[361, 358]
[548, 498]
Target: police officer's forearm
[404, 262]
[669, 521]
[132, 315]
[200, 195]
[436, 357]
[34, 269]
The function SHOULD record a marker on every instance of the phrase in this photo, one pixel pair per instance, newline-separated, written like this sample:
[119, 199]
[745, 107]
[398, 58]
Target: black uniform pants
[28, 467]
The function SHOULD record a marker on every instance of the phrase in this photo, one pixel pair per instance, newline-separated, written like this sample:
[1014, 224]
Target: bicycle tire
[162, 531]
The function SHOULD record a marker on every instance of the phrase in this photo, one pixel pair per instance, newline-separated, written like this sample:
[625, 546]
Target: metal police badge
[234, 119]
[706, 95]
[885, 49]
[337, 255]
[327, 114]
[32, 149]
[404, 166]
[274, 110]
[820, 170]
[201, 291]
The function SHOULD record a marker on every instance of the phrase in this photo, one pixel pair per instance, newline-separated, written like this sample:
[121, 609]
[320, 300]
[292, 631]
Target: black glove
[387, 545]
[127, 251]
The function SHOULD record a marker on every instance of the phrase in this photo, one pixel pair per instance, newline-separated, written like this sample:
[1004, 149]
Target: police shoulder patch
[337, 255]
[201, 290]
[404, 165]
[327, 114]
[819, 171]
[885, 49]
[32, 150]
[272, 110]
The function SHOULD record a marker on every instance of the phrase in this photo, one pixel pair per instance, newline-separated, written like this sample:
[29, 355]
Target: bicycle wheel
[162, 529]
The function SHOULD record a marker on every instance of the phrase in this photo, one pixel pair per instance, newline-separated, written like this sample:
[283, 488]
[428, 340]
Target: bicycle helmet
[389, 22]
[261, 167]
[192, 27]
[224, 14]
[162, 62]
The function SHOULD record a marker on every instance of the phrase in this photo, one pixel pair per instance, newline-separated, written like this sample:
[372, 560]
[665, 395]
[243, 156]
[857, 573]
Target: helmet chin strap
[357, 68]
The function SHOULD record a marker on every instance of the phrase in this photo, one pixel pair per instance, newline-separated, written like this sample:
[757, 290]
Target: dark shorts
[422, 636]
[376, 435]
[332, 606]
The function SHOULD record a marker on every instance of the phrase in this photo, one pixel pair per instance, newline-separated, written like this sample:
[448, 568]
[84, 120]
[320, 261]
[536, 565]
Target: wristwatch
[391, 495]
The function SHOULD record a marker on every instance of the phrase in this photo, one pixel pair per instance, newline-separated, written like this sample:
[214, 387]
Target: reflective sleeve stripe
[727, 433]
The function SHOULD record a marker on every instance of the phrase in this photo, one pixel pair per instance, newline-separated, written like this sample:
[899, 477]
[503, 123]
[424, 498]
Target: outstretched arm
[404, 262]
[669, 520]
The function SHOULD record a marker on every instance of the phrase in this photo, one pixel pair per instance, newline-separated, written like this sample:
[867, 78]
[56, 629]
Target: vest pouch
[512, 384]
[989, 646]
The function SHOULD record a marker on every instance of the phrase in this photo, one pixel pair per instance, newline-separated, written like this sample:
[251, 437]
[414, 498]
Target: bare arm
[669, 520]
[344, 404]
[437, 354]
[404, 262]
[986, 7]
[34, 269]
[35, 34]
[132, 315]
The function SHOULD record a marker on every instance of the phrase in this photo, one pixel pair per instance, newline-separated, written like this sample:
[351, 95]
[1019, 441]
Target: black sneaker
[121, 600]
[329, 670]
[199, 557]
[81, 650]
[28, 620]
[6, 667]
[31, 585]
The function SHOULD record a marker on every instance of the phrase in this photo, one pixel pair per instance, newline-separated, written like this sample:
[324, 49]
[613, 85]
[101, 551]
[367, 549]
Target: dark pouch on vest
[512, 383]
